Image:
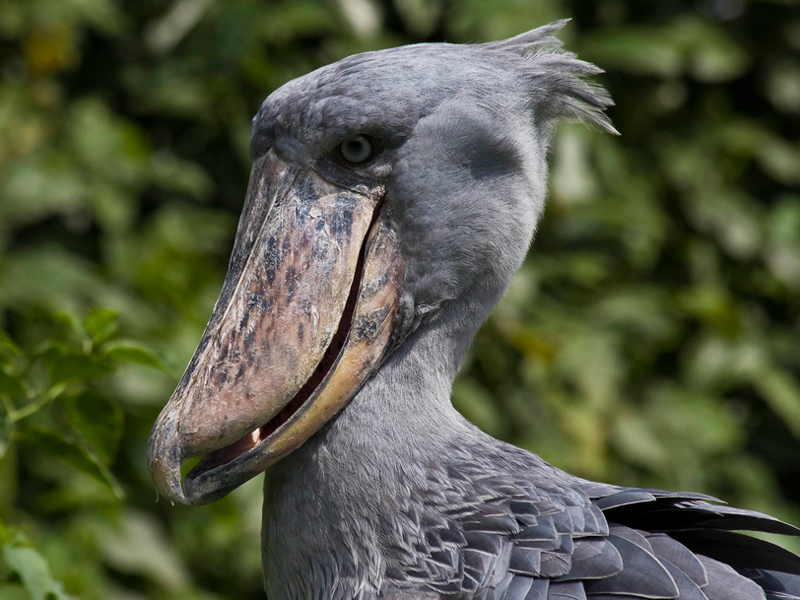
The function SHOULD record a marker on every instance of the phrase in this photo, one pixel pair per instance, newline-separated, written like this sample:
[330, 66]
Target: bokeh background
[651, 339]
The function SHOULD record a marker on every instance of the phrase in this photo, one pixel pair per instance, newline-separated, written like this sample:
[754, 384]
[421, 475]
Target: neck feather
[329, 507]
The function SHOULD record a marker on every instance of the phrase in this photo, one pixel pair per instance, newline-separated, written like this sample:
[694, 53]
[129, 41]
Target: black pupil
[357, 149]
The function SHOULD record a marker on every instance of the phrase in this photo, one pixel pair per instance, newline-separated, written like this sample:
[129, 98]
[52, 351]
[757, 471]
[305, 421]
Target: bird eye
[356, 149]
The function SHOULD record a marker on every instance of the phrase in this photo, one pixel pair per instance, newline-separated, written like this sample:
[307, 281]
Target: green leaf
[98, 420]
[136, 353]
[13, 591]
[635, 439]
[782, 393]
[5, 437]
[77, 367]
[100, 323]
[471, 400]
[68, 322]
[8, 348]
[10, 385]
[32, 570]
[689, 45]
[80, 458]
[637, 50]
[714, 57]
[181, 176]
[52, 278]
[136, 545]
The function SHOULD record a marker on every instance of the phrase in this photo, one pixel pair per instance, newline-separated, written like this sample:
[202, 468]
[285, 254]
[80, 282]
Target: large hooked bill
[306, 313]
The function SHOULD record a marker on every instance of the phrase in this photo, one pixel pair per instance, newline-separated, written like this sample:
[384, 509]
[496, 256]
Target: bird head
[385, 189]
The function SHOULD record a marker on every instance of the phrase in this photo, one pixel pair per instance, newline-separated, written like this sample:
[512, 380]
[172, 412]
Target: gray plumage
[399, 497]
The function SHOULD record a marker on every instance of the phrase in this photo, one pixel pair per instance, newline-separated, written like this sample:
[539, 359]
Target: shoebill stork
[392, 196]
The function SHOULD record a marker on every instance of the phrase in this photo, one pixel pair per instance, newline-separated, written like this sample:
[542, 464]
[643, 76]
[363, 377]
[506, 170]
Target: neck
[330, 506]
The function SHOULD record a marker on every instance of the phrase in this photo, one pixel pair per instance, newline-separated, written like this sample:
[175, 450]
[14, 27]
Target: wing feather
[506, 538]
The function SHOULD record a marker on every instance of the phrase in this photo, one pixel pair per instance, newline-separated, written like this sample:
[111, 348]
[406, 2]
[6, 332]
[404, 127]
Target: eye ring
[357, 149]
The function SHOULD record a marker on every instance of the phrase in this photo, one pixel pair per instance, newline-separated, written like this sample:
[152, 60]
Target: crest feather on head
[558, 79]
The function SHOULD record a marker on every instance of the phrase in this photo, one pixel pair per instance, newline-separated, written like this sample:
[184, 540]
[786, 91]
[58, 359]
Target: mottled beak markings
[305, 315]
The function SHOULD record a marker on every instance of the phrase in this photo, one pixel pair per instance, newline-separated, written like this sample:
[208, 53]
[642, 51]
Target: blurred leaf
[68, 323]
[164, 34]
[591, 361]
[130, 351]
[197, 230]
[642, 310]
[77, 367]
[5, 437]
[783, 85]
[733, 218]
[12, 19]
[688, 45]
[48, 277]
[137, 545]
[31, 568]
[583, 427]
[780, 159]
[113, 148]
[100, 323]
[693, 422]
[782, 393]
[41, 185]
[105, 16]
[777, 157]
[571, 174]
[653, 52]
[476, 405]
[719, 363]
[633, 436]
[8, 348]
[288, 22]
[784, 223]
[484, 21]
[714, 56]
[181, 176]
[168, 89]
[11, 385]
[13, 591]
[78, 457]
[714, 305]
[421, 16]
[114, 207]
[33, 572]
[51, 49]
[783, 248]
[99, 420]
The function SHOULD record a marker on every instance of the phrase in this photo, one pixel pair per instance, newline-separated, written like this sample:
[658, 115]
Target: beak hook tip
[164, 458]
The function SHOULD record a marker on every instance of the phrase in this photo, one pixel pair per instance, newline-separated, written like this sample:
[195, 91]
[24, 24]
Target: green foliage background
[651, 339]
